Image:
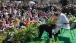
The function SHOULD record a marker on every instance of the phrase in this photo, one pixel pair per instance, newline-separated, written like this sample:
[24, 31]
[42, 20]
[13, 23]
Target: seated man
[61, 21]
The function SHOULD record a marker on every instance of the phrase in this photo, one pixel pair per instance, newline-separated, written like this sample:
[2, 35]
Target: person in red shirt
[44, 14]
[27, 22]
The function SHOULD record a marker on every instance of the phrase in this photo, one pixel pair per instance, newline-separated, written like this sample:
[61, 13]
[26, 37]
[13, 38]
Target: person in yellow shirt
[12, 23]
[18, 21]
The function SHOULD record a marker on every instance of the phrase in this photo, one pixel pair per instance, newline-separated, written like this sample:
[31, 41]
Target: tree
[42, 1]
[26, 0]
[3, 1]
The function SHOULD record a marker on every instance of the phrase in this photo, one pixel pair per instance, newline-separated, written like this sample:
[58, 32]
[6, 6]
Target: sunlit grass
[2, 37]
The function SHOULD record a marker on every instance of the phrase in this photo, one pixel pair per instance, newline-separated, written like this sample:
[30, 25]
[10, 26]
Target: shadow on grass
[60, 38]
[64, 39]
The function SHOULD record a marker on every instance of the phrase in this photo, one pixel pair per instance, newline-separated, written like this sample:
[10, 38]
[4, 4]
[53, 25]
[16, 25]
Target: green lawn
[65, 37]
[2, 37]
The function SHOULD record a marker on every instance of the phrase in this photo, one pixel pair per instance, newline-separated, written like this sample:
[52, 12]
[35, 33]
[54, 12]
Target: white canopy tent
[31, 2]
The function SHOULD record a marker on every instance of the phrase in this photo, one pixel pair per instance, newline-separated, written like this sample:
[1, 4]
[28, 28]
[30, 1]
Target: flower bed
[21, 35]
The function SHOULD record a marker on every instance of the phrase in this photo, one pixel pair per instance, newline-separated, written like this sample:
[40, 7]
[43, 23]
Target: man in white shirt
[62, 22]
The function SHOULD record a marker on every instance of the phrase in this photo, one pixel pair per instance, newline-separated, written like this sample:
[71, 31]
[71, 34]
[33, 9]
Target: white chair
[71, 28]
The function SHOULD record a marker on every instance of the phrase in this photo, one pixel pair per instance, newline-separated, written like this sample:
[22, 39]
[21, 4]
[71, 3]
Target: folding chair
[71, 28]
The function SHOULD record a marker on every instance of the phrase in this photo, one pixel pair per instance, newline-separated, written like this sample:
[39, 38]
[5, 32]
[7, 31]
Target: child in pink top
[6, 25]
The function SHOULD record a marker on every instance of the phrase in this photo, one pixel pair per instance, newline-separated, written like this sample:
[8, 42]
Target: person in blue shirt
[1, 15]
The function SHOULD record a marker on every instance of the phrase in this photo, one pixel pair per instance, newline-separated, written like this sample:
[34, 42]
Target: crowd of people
[22, 14]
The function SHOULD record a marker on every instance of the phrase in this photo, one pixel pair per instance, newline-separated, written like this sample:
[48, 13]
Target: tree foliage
[3, 1]
[26, 0]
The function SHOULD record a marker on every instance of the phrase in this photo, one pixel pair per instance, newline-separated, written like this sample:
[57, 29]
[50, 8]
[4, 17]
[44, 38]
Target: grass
[2, 37]
[64, 37]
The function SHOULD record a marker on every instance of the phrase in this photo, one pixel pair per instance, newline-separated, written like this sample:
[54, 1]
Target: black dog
[47, 28]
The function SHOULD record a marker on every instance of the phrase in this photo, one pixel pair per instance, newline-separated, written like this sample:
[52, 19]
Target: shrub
[72, 19]
[27, 34]
[49, 21]
[3, 1]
